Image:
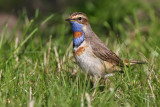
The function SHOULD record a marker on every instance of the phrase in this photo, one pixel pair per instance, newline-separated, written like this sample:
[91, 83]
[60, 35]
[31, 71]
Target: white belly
[88, 62]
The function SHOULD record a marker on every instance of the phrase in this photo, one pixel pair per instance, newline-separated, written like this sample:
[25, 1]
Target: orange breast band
[80, 51]
[77, 34]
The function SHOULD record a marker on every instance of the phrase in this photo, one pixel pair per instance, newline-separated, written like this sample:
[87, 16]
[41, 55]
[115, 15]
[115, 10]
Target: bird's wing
[101, 51]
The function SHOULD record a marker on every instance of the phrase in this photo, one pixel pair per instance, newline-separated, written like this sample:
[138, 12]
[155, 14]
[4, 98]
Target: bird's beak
[68, 19]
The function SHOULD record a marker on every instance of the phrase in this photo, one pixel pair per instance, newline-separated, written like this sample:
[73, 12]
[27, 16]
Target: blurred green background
[104, 15]
[118, 19]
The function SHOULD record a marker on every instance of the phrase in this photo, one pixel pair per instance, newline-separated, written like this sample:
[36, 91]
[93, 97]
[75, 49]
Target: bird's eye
[80, 18]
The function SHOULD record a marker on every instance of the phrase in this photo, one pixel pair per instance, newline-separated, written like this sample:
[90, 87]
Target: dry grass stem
[31, 102]
[149, 82]
[67, 51]
[45, 59]
[16, 45]
[82, 101]
[49, 49]
[57, 58]
[88, 99]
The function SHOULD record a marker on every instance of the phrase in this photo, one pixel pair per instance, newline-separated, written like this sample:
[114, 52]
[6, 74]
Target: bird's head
[78, 20]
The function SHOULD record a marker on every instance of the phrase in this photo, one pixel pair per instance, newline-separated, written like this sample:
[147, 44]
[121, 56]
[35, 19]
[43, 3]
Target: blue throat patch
[76, 27]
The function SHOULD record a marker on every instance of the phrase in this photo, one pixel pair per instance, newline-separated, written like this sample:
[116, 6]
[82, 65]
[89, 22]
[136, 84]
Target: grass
[37, 68]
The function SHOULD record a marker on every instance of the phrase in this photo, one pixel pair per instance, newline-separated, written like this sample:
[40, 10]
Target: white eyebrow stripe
[79, 16]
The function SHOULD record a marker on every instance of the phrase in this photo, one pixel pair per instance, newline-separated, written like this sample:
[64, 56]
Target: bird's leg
[96, 81]
[107, 80]
[109, 75]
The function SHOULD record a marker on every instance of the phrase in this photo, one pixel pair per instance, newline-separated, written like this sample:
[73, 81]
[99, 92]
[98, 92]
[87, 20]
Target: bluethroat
[90, 53]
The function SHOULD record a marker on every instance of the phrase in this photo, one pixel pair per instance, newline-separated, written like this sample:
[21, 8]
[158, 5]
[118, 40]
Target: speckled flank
[77, 34]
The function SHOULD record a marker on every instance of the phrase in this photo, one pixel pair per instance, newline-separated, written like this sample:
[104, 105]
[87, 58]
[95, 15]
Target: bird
[90, 53]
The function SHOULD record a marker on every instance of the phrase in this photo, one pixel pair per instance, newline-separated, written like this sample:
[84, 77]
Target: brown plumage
[95, 58]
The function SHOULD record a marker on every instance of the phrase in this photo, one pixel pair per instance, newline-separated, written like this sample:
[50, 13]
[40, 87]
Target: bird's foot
[109, 75]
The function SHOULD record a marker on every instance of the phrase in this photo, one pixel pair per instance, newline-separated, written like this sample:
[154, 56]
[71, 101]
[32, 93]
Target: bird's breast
[87, 60]
[78, 51]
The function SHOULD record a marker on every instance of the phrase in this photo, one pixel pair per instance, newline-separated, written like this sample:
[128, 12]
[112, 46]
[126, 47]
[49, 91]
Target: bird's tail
[133, 62]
